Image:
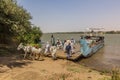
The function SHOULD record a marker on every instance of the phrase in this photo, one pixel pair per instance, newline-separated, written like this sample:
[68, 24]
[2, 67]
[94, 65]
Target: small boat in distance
[91, 42]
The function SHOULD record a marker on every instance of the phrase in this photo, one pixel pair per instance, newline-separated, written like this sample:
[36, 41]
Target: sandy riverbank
[14, 68]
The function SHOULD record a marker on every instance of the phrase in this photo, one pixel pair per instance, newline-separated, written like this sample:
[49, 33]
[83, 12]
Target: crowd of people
[67, 45]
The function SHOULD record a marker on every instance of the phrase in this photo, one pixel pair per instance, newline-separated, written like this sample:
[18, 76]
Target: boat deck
[62, 55]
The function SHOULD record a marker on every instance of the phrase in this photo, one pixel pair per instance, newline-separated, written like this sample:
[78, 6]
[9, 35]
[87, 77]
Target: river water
[105, 59]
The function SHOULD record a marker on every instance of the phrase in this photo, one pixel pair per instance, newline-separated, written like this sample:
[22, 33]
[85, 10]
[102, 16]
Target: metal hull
[93, 49]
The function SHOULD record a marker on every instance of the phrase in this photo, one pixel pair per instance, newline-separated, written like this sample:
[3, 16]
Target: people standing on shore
[59, 44]
[52, 40]
[47, 48]
[73, 40]
[72, 46]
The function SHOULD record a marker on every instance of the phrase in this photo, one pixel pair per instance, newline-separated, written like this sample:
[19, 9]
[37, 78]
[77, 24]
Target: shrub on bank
[114, 75]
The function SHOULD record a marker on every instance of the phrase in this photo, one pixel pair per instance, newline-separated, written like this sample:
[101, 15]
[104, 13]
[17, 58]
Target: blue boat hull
[93, 50]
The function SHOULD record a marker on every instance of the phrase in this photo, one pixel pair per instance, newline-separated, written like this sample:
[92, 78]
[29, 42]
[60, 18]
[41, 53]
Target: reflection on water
[106, 58]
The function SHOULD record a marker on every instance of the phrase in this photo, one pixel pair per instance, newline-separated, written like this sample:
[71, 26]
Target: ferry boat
[96, 40]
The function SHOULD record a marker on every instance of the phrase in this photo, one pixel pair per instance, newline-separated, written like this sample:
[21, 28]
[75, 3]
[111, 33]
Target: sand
[15, 68]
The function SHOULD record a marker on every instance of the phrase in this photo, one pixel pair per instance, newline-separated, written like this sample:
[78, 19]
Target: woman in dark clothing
[52, 40]
[68, 50]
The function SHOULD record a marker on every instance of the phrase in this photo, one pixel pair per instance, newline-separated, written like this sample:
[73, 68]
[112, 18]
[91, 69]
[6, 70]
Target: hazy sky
[73, 15]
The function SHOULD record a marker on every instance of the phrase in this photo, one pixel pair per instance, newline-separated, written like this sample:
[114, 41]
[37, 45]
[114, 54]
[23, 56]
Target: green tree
[15, 22]
[33, 36]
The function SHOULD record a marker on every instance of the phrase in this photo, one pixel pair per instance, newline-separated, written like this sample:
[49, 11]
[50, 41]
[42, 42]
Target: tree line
[15, 23]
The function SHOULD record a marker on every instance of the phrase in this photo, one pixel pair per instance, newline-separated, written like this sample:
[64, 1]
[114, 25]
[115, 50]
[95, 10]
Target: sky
[73, 15]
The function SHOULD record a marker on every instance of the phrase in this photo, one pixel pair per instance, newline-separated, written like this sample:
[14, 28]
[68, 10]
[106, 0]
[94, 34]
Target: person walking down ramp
[68, 50]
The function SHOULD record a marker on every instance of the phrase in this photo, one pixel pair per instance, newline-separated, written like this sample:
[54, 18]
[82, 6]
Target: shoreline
[15, 68]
